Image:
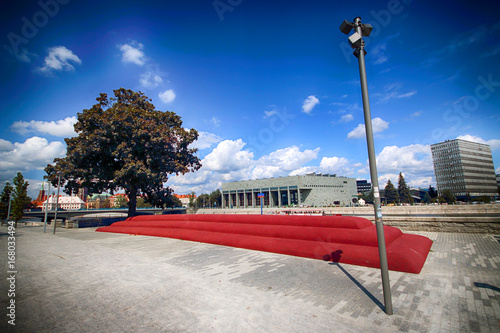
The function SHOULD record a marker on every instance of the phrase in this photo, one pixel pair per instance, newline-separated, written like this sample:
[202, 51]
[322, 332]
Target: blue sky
[272, 88]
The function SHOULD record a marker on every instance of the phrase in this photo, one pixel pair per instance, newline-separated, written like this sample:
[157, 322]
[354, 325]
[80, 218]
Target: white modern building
[313, 190]
[65, 202]
[465, 168]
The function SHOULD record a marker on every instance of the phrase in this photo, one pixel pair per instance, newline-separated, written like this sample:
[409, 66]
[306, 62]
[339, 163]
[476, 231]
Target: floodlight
[367, 29]
[355, 40]
[346, 27]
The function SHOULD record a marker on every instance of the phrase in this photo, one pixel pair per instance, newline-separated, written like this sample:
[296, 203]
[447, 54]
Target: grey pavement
[85, 281]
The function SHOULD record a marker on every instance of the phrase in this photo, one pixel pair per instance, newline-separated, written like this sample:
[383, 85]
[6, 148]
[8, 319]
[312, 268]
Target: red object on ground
[344, 239]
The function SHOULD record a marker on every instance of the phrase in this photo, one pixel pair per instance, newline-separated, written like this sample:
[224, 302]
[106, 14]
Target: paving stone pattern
[84, 281]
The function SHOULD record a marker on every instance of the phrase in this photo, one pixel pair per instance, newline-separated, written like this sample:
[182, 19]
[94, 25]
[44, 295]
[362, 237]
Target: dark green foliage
[124, 143]
[20, 199]
[216, 199]
[367, 197]
[432, 192]
[173, 201]
[391, 194]
[447, 196]
[4, 201]
[403, 190]
[202, 201]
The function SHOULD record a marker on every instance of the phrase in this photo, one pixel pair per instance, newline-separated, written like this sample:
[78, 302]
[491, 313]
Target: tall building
[313, 190]
[363, 186]
[465, 168]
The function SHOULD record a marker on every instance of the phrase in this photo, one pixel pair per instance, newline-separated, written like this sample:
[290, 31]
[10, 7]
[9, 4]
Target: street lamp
[356, 41]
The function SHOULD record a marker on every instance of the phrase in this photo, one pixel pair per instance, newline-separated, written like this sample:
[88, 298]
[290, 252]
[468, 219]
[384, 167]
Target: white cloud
[167, 96]
[494, 143]
[214, 121]
[289, 158]
[411, 160]
[132, 53]
[58, 59]
[497, 171]
[34, 153]
[5, 145]
[228, 156]
[393, 91]
[150, 80]
[309, 103]
[333, 164]
[346, 118]
[328, 165]
[205, 140]
[378, 54]
[378, 125]
[62, 128]
[268, 114]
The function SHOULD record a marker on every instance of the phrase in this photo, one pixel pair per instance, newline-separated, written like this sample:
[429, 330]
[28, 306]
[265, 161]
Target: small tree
[403, 190]
[4, 201]
[192, 199]
[216, 198]
[20, 197]
[120, 202]
[391, 194]
[447, 196]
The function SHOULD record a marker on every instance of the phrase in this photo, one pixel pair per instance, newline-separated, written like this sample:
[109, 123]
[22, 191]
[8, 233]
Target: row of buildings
[465, 168]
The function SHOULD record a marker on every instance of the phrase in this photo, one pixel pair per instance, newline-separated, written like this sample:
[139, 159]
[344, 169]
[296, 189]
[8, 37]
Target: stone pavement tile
[80, 280]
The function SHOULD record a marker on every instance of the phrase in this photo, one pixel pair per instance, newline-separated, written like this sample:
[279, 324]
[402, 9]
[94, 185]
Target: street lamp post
[357, 43]
[46, 209]
[57, 203]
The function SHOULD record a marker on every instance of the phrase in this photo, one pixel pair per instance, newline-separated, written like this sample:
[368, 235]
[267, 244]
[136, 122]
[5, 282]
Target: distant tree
[192, 199]
[403, 190]
[432, 192]
[125, 143]
[120, 202]
[447, 196]
[367, 197]
[4, 201]
[426, 198]
[202, 200]
[483, 199]
[142, 203]
[173, 201]
[20, 199]
[391, 194]
[216, 198]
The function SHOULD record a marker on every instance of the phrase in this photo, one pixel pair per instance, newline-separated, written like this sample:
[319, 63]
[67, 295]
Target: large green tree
[391, 194]
[4, 201]
[20, 199]
[403, 190]
[125, 143]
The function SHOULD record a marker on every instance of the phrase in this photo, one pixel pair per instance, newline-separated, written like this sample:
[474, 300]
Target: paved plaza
[80, 280]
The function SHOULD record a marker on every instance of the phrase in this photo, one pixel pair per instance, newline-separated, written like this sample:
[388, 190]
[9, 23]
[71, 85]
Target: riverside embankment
[441, 218]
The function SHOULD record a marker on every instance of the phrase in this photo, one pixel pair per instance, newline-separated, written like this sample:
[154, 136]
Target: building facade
[64, 202]
[313, 190]
[465, 168]
[363, 186]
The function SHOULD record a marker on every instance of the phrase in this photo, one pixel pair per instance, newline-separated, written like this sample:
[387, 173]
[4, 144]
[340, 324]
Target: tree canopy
[4, 201]
[125, 143]
[403, 190]
[391, 194]
[20, 199]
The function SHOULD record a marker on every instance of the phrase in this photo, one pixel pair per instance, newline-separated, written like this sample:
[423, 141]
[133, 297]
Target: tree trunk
[132, 203]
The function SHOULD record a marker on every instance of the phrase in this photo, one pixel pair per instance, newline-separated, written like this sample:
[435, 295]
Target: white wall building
[65, 202]
[312, 190]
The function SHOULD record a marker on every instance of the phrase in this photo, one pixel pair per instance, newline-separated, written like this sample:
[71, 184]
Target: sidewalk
[83, 281]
